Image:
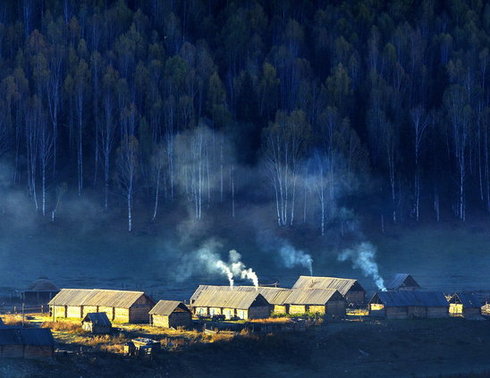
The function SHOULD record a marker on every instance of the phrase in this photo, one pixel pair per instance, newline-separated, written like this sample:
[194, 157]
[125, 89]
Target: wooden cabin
[170, 314]
[402, 281]
[31, 343]
[97, 323]
[326, 302]
[275, 296]
[351, 289]
[465, 305]
[230, 302]
[120, 306]
[40, 292]
[409, 304]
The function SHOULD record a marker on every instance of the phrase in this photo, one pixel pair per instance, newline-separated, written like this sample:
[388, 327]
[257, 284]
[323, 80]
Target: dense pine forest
[311, 106]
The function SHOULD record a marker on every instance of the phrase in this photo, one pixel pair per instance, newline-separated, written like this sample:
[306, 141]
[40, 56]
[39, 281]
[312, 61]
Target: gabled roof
[97, 297]
[410, 298]
[313, 296]
[218, 296]
[97, 318]
[273, 295]
[165, 308]
[26, 336]
[43, 284]
[468, 300]
[401, 280]
[343, 285]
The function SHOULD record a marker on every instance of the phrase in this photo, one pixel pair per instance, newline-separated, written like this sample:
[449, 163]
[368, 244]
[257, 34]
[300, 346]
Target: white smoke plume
[363, 257]
[207, 258]
[294, 257]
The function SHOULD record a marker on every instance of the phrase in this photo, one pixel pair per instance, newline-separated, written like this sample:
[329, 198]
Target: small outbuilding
[230, 302]
[409, 304]
[326, 302]
[403, 281]
[97, 322]
[31, 343]
[40, 292]
[465, 305]
[351, 289]
[170, 314]
[120, 305]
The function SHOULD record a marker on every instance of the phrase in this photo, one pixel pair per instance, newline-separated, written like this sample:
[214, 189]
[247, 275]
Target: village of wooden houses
[46, 320]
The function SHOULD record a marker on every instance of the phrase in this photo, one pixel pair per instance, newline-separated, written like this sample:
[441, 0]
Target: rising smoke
[207, 258]
[363, 257]
[294, 257]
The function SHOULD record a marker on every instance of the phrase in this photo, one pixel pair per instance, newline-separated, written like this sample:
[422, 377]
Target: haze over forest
[268, 121]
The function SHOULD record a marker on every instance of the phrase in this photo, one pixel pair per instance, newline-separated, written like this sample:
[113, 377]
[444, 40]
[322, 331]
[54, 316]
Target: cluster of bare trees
[169, 101]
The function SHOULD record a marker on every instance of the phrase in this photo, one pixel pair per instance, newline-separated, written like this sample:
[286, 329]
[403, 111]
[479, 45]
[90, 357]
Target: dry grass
[281, 320]
[63, 326]
[357, 312]
[12, 320]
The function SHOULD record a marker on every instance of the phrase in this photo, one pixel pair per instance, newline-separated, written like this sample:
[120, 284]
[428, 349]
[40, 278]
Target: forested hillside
[306, 104]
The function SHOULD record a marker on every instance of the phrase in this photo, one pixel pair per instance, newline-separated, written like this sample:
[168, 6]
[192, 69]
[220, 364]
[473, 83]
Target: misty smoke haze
[292, 257]
[363, 257]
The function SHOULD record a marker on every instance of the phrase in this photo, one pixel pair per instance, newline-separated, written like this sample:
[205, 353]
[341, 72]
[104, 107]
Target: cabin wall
[259, 312]
[297, 309]
[355, 297]
[280, 309]
[396, 312]
[180, 319]
[335, 308]
[121, 315]
[215, 311]
[315, 309]
[11, 351]
[417, 312]
[437, 312]
[242, 314]
[471, 312]
[74, 312]
[89, 309]
[229, 313]
[58, 311]
[108, 310]
[201, 311]
[38, 352]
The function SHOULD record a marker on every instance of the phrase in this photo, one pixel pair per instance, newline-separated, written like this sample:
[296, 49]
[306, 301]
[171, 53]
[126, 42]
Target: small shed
[466, 305]
[351, 289]
[327, 302]
[230, 302]
[402, 281]
[97, 323]
[409, 304]
[170, 314]
[40, 292]
[121, 306]
[32, 343]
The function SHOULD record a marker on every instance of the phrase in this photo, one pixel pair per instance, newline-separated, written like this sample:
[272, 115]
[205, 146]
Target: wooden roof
[165, 308]
[218, 296]
[410, 298]
[468, 300]
[26, 336]
[97, 318]
[313, 296]
[343, 285]
[273, 295]
[97, 297]
[43, 285]
[401, 280]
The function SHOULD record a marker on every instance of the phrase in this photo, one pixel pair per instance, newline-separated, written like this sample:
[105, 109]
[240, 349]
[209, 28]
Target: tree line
[319, 99]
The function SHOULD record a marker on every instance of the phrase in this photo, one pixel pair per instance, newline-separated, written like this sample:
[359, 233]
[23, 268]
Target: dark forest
[303, 103]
